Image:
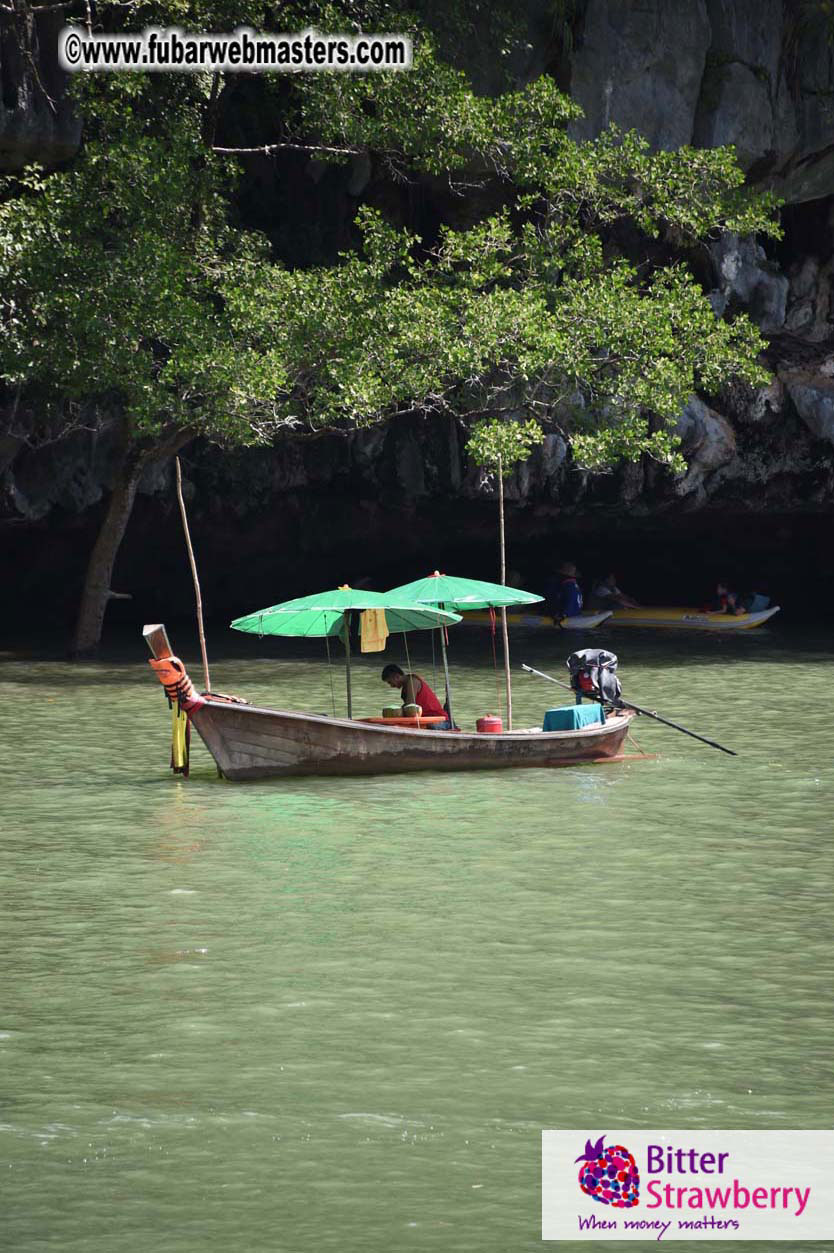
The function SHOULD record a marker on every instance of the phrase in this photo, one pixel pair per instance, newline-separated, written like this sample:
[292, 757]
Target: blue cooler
[571, 717]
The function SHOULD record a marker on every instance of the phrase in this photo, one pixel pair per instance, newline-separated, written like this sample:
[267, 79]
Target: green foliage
[476, 330]
[122, 280]
[594, 184]
[501, 445]
[111, 280]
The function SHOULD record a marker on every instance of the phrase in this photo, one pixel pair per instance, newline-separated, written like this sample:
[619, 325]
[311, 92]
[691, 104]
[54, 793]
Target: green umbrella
[455, 593]
[324, 613]
[448, 592]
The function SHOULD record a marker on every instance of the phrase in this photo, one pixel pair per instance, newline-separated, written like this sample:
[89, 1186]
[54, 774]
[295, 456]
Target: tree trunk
[96, 591]
[508, 683]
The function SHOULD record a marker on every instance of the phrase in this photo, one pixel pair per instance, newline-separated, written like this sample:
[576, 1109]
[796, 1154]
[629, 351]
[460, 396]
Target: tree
[123, 283]
[125, 291]
[536, 311]
[575, 304]
[111, 299]
[499, 446]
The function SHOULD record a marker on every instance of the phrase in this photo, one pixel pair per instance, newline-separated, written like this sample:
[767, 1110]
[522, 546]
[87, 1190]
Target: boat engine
[593, 675]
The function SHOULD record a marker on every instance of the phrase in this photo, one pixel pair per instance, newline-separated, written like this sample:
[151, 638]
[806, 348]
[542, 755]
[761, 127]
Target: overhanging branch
[269, 150]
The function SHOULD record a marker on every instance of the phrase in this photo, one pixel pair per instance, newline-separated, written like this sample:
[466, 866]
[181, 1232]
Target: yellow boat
[516, 617]
[689, 619]
[646, 618]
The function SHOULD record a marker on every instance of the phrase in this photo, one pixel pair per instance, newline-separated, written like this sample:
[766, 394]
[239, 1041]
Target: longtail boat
[248, 742]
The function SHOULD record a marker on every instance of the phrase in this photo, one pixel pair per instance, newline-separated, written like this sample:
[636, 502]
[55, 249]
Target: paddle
[627, 704]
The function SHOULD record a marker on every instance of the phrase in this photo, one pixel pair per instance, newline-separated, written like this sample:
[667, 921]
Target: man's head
[393, 676]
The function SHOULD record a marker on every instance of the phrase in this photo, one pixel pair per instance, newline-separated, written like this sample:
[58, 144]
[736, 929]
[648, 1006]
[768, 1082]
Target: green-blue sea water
[335, 1014]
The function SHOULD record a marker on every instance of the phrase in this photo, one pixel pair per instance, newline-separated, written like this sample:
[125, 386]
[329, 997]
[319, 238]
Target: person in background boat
[564, 595]
[726, 600]
[606, 594]
[415, 691]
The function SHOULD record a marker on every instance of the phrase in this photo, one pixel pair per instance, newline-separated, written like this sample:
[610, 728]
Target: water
[336, 1014]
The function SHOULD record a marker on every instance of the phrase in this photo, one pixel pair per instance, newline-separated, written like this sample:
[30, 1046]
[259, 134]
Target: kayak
[690, 619]
[650, 617]
[582, 622]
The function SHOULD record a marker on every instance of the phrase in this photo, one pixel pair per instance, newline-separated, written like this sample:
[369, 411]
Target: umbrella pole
[446, 675]
[508, 683]
[347, 664]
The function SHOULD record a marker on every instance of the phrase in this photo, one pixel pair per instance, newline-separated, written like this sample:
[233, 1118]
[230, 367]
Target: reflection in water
[336, 1014]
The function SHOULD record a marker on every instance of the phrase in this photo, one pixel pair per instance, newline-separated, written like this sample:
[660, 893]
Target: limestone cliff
[755, 73]
[36, 118]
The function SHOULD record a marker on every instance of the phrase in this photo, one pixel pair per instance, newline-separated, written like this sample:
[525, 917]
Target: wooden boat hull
[689, 619]
[251, 743]
[582, 622]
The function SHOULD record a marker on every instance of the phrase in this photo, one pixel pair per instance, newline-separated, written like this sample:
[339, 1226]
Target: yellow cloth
[179, 746]
[373, 631]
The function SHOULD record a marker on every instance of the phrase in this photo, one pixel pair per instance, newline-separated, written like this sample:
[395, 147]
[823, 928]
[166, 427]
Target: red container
[490, 724]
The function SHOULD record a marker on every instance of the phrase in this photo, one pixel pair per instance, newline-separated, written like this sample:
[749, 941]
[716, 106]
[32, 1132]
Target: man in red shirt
[415, 691]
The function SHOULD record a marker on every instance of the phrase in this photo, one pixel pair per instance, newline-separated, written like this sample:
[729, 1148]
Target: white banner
[687, 1185]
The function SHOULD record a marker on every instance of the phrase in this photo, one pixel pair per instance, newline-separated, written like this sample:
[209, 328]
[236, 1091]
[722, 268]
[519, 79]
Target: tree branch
[32, 8]
[268, 150]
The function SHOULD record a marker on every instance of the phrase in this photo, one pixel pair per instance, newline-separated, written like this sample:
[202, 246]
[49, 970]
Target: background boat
[647, 617]
[690, 619]
[583, 622]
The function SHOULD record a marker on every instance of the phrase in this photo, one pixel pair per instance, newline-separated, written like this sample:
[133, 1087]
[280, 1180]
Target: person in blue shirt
[564, 595]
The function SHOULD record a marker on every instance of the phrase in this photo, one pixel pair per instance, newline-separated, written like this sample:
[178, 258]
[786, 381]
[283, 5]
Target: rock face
[767, 437]
[734, 108]
[758, 74]
[641, 66]
[813, 398]
[708, 442]
[745, 98]
[36, 119]
[747, 278]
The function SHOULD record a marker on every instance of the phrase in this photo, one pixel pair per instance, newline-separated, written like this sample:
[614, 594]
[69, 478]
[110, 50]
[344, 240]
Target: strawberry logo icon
[609, 1175]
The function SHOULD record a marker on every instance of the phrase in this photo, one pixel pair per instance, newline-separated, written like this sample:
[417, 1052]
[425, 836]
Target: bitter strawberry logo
[609, 1175]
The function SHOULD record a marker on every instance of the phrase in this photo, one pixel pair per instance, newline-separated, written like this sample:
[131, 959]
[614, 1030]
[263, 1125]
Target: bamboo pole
[446, 674]
[504, 633]
[200, 627]
[347, 665]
